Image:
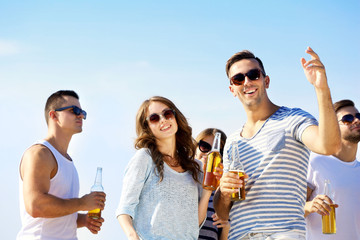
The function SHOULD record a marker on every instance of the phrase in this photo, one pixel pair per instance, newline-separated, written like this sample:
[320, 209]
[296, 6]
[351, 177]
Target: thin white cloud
[8, 48]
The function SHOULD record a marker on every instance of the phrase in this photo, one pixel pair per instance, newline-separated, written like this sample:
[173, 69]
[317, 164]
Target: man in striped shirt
[273, 146]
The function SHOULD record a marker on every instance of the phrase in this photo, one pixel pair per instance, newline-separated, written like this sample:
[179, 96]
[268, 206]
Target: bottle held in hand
[97, 187]
[213, 161]
[329, 221]
[237, 167]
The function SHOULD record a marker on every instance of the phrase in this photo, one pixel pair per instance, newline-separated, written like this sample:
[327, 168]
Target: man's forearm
[329, 132]
[81, 220]
[222, 205]
[49, 206]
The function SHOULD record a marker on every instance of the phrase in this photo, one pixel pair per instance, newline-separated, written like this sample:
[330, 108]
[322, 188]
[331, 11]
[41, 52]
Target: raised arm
[37, 168]
[325, 138]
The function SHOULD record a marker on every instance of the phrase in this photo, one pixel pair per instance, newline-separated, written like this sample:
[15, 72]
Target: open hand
[314, 70]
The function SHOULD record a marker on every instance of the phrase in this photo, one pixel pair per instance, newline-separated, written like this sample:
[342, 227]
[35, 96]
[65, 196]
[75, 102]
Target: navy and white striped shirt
[276, 161]
[208, 231]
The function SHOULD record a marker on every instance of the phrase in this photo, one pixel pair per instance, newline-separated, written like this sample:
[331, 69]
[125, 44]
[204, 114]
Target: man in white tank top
[49, 183]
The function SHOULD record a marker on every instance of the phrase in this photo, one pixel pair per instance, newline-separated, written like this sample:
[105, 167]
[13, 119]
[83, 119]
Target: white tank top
[65, 185]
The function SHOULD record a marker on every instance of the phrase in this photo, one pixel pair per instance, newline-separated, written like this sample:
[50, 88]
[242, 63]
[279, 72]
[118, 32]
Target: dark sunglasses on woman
[167, 114]
[204, 146]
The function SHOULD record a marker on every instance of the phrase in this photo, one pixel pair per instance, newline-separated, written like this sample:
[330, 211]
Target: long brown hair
[185, 147]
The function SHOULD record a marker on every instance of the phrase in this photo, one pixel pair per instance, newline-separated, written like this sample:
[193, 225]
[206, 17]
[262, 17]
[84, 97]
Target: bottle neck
[97, 187]
[98, 178]
[327, 188]
[216, 143]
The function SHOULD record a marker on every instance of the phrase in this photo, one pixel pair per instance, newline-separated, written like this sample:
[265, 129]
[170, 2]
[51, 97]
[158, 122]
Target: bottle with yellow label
[97, 187]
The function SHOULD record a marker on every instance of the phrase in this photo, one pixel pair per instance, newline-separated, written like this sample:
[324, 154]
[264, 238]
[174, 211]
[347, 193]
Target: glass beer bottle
[213, 161]
[329, 221]
[237, 167]
[97, 187]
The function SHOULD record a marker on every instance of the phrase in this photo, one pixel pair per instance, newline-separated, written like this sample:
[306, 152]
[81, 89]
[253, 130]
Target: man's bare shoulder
[38, 152]
[38, 157]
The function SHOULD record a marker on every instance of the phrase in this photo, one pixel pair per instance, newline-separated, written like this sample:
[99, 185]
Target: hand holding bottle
[320, 205]
[237, 167]
[213, 162]
[219, 171]
[230, 184]
[94, 225]
[329, 220]
[97, 191]
[93, 200]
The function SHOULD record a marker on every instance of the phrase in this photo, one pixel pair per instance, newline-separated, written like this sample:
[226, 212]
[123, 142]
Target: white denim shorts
[289, 235]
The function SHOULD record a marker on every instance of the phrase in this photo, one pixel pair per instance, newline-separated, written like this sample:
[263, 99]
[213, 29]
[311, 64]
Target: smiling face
[251, 92]
[164, 128]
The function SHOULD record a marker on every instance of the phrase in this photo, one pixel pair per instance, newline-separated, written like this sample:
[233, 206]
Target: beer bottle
[329, 221]
[237, 167]
[97, 187]
[213, 161]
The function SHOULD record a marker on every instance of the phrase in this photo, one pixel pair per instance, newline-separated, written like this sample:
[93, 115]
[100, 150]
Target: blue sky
[116, 54]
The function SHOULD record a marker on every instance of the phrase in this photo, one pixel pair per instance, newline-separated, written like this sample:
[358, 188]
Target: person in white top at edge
[273, 146]
[343, 171]
[49, 183]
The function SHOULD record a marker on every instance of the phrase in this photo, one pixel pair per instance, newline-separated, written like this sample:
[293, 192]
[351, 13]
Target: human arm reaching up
[324, 138]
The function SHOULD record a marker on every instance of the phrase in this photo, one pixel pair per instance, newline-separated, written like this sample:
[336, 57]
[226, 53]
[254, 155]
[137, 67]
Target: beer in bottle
[329, 221]
[237, 167]
[213, 161]
[97, 187]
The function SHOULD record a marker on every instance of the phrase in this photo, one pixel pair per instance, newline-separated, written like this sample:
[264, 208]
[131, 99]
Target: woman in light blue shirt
[162, 197]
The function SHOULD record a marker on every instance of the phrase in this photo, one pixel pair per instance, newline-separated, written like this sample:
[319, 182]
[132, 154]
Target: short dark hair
[245, 54]
[343, 103]
[56, 100]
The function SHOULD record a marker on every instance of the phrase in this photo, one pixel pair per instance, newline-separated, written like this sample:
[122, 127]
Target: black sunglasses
[76, 110]
[349, 118]
[204, 146]
[253, 74]
[167, 114]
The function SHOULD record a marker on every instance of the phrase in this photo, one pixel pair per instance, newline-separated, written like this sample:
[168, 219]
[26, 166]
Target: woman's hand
[220, 223]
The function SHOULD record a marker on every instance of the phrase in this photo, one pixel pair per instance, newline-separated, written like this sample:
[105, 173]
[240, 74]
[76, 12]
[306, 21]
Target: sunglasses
[349, 118]
[204, 146]
[167, 114]
[253, 74]
[75, 110]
